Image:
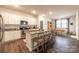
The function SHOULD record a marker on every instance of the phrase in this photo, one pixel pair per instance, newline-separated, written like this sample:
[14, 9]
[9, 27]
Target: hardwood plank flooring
[61, 45]
[17, 46]
[65, 45]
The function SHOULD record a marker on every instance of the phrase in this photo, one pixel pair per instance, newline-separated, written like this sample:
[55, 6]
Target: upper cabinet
[9, 18]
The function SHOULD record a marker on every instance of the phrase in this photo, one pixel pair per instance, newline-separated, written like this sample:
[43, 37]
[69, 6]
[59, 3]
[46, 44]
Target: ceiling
[58, 11]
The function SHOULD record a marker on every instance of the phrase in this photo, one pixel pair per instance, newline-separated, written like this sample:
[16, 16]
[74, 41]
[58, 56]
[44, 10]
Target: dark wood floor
[65, 45]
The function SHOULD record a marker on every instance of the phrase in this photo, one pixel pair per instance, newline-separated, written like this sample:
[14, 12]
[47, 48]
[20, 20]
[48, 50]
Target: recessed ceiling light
[33, 11]
[50, 13]
[43, 15]
[16, 5]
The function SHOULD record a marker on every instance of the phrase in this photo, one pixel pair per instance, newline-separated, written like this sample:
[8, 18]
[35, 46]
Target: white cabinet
[15, 19]
[11, 35]
[10, 18]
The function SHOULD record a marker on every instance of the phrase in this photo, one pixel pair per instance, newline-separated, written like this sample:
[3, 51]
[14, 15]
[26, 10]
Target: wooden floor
[65, 45]
[17, 46]
[61, 45]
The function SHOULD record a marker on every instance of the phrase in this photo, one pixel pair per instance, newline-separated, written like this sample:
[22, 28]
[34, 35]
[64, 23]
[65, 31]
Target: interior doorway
[41, 25]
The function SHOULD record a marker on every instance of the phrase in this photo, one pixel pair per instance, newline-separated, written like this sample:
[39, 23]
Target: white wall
[45, 21]
[72, 28]
[53, 22]
[77, 24]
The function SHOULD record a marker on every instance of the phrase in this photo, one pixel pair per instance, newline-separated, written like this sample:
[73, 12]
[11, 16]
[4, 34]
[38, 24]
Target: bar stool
[34, 41]
[38, 42]
[41, 41]
[46, 39]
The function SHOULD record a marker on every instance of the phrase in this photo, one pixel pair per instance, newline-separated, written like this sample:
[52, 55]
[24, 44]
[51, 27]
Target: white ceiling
[57, 10]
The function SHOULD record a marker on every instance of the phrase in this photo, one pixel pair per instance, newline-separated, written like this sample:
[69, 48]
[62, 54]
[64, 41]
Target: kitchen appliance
[23, 28]
[9, 32]
[1, 28]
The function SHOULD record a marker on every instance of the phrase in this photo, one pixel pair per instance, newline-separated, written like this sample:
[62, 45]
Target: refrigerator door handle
[1, 28]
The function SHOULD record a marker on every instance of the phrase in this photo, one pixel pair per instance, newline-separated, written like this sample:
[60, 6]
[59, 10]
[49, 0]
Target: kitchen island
[39, 41]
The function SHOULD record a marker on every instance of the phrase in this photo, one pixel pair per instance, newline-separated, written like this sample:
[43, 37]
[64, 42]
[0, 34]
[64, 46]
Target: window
[62, 23]
[58, 24]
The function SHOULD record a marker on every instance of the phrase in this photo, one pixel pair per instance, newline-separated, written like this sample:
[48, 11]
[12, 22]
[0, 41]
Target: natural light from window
[63, 23]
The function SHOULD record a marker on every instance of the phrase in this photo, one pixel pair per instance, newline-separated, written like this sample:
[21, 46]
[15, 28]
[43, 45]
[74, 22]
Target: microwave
[23, 25]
